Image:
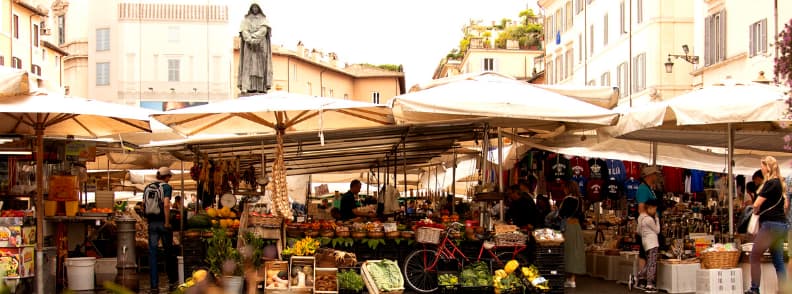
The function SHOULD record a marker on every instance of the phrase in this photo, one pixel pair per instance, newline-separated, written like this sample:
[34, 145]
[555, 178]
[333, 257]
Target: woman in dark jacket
[571, 213]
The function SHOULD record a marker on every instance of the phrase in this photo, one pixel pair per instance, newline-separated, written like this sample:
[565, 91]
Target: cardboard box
[17, 236]
[17, 262]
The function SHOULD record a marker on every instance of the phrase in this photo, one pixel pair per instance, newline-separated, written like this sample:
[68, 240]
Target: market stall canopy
[701, 117]
[58, 115]
[343, 150]
[137, 160]
[13, 82]
[258, 115]
[602, 146]
[500, 101]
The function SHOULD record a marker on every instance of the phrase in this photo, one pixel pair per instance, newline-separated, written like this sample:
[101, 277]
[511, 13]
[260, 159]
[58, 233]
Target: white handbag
[753, 224]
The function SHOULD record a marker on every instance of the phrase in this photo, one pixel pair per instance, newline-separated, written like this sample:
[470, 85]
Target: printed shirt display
[580, 167]
[612, 188]
[631, 187]
[581, 181]
[673, 179]
[599, 169]
[696, 181]
[632, 169]
[594, 189]
[557, 167]
[616, 170]
[556, 190]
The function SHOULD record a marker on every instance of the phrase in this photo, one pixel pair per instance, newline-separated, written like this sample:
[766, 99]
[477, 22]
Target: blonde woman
[770, 204]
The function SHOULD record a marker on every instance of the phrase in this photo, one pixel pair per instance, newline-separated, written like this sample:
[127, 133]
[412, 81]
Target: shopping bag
[753, 225]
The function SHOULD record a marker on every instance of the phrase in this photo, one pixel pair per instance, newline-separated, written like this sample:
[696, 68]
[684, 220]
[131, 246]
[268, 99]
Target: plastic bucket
[105, 270]
[181, 269]
[50, 207]
[80, 271]
[233, 284]
[72, 207]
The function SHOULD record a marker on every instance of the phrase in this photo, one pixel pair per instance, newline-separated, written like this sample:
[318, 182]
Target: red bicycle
[420, 266]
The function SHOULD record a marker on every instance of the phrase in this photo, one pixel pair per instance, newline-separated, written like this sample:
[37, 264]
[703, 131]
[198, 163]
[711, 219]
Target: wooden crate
[326, 271]
[369, 281]
[301, 262]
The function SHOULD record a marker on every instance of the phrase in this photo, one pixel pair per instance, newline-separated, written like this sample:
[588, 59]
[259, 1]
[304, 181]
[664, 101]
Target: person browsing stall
[156, 207]
[349, 203]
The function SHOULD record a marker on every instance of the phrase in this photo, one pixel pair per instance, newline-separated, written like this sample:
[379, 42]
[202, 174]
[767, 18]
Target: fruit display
[513, 277]
[427, 223]
[447, 280]
[196, 278]
[223, 218]
[13, 213]
[96, 210]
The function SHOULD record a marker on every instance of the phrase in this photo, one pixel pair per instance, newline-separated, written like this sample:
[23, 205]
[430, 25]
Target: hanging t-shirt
[594, 189]
[599, 169]
[579, 167]
[616, 170]
[709, 180]
[581, 181]
[673, 179]
[631, 188]
[556, 190]
[557, 168]
[613, 188]
[696, 181]
[632, 169]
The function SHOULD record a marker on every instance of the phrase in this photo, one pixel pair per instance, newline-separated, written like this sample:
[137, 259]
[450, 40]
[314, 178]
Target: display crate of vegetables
[349, 282]
[301, 274]
[382, 276]
[326, 281]
[476, 277]
[448, 282]
[277, 275]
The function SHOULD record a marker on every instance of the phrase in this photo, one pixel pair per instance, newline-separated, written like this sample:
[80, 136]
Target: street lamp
[692, 59]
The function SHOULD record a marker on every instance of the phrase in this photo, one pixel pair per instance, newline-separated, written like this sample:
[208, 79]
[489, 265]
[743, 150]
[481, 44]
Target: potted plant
[223, 259]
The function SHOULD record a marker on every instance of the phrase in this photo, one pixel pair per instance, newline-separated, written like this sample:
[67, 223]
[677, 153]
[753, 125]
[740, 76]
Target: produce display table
[626, 264]
[677, 278]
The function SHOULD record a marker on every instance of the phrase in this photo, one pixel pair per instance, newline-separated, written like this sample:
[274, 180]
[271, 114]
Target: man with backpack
[156, 208]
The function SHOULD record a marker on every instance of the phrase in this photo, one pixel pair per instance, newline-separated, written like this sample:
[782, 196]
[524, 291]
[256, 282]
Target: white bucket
[80, 271]
[181, 269]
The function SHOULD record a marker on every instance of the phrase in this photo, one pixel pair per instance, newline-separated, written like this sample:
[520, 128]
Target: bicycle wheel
[505, 256]
[417, 272]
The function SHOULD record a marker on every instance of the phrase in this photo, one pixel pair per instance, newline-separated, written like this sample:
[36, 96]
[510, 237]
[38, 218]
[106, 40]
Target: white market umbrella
[13, 82]
[56, 115]
[501, 101]
[731, 115]
[276, 112]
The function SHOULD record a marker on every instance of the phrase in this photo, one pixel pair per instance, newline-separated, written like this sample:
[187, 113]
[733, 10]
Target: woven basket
[428, 235]
[501, 229]
[265, 221]
[510, 240]
[342, 234]
[549, 243]
[720, 259]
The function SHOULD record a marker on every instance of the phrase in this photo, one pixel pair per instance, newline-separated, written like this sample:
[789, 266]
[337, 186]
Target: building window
[549, 72]
[35, 69]
[639, 11]
[173, 34]
[591, 40]
[570, 62]
[330, 93]
[559, 22]
[591, 83]
[569, 15]
[549, 33]
[309, 87]
[324, 91]
[16, 62]
[758, 38]
[102, 39]
[102, 73]
[622, 17]
[559, 65]
[375, 97]
[174, 70]
[621, 79]
[61, 29]
[578, 6]
[15, 25]
[605, 30]
[2, 60]
[489, 64]
[346, 96]
[580, 48]
[605, 79]
[35, 35]
[715, 38]
[639, 73]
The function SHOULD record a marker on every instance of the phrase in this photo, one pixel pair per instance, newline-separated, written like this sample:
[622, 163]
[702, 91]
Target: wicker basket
[510, 240]
[549, 243]
[265, 221]
[327, 233]
[358, 235]
[502, 229]
[342, 234]
[428, 235]
[375, 235]
[393, 235]
[720, 259]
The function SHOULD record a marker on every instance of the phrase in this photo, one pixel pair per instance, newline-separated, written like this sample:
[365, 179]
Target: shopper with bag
[573, 218]
[769, 224]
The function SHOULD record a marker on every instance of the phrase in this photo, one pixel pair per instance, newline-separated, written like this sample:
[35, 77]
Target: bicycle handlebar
[453, 225]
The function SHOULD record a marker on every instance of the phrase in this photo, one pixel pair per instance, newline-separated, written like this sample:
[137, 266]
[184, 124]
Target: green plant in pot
[223, 259]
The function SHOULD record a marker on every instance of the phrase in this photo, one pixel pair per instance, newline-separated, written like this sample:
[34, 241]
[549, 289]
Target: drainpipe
[544, 44]
[30, 50]
[288, 74]
[11, 25]
[775, 34]
[629, 59]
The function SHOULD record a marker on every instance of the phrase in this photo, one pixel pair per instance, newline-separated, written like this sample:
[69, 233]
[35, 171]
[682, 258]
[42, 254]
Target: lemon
[199, 275]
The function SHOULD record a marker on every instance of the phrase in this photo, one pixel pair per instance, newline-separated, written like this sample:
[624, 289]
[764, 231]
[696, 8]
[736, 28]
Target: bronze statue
[255, 53]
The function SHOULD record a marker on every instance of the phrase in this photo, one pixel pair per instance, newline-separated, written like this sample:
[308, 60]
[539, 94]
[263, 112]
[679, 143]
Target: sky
[416, 34]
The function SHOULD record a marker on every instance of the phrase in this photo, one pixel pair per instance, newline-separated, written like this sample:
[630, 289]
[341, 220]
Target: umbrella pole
[500, 170]
[453, 184]
[39, 209]
[730, 167]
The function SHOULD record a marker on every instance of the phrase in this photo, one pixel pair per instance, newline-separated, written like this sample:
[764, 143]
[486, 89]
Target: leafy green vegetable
[350, 280]
[386, 275]
[476, 275]
[447, 280]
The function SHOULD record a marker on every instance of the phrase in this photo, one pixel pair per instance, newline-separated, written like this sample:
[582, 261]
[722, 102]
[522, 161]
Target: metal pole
[39, 206]
[181, 208]
[730, 167]
[453, 183]
[404, 156]
[654, 153]
[500, 171]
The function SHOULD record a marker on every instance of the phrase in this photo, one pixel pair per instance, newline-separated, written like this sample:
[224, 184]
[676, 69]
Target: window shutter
[495, 67]
[722, 31]
[751, 40]
[707, 36]
[763, 38]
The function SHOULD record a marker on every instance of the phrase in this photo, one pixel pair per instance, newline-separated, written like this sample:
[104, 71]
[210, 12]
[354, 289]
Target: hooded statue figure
[255, 53]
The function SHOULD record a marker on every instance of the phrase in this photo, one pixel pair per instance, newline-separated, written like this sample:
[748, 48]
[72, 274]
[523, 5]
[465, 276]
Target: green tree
[527, 15]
